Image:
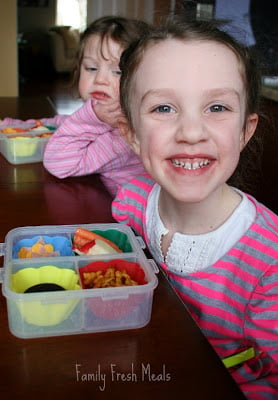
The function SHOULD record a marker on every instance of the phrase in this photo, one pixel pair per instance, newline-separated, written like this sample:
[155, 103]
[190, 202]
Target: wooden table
[167, 358]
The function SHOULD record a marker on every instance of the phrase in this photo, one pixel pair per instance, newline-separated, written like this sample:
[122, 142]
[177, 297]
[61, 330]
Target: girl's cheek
[116, 87]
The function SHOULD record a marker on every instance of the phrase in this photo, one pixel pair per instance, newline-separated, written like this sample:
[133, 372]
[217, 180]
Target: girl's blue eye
[91, 69]
[217, 108]
[164, 109]
[118, 72]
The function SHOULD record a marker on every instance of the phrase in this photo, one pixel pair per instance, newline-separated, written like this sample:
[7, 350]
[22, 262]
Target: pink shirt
[234, 300]
[85, 145]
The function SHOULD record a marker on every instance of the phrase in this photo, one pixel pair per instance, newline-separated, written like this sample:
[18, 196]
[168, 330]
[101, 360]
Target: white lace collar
[191, 253]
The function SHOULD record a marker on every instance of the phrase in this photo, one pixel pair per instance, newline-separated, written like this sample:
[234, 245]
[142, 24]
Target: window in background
[72, 13]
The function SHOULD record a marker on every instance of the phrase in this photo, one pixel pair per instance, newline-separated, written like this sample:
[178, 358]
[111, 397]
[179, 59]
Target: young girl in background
[189, 93]
[88, 141]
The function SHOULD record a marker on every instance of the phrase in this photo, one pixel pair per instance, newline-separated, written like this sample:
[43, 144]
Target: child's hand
[108, 113]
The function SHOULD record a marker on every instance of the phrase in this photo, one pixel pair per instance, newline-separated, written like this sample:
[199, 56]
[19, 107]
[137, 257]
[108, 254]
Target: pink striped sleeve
[84, 145]
[261, 318]
[130, 203]
[57, 120]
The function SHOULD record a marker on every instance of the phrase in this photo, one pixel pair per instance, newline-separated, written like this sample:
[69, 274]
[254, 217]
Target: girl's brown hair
[122, 30]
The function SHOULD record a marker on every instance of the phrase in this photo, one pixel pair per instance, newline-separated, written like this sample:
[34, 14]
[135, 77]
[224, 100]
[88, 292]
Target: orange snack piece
[39, 249]
[110, 278]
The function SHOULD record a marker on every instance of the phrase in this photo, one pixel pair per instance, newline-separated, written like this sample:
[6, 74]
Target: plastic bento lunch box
[48, 295]
[22, 145]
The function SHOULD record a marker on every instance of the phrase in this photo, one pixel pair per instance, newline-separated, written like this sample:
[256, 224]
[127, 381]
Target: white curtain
[72, 13]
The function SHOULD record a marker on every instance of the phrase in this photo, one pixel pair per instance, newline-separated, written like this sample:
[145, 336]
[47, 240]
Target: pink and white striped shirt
[85, 145]
[235, 300]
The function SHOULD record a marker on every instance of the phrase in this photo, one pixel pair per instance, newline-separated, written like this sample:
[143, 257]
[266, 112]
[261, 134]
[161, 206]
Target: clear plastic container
[24, 148]
[77, 309]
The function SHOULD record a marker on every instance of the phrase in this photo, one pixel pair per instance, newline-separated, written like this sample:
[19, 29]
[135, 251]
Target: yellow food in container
[42, 311]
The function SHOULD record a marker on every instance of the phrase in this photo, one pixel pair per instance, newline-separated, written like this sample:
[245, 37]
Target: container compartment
[22, 150]
[123, 306]
[43, 245]
[24, 143]
[42, 312]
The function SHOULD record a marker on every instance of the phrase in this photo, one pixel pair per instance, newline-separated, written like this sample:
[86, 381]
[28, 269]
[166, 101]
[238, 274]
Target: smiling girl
[190, 97]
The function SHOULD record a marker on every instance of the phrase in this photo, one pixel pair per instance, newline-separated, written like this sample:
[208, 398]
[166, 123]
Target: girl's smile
[192, 163]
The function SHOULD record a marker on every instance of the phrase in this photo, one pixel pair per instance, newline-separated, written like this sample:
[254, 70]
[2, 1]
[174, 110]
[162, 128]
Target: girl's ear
[248, 130]
[128, 134]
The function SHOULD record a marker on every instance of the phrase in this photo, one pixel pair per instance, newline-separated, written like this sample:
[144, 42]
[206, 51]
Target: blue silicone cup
[60, 243]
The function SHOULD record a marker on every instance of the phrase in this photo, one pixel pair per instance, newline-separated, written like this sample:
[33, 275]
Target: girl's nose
[102, 76]
[191, 129]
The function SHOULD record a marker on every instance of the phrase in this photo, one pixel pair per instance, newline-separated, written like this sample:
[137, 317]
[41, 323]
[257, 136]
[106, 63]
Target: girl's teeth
[196, 165]
[189, 165]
